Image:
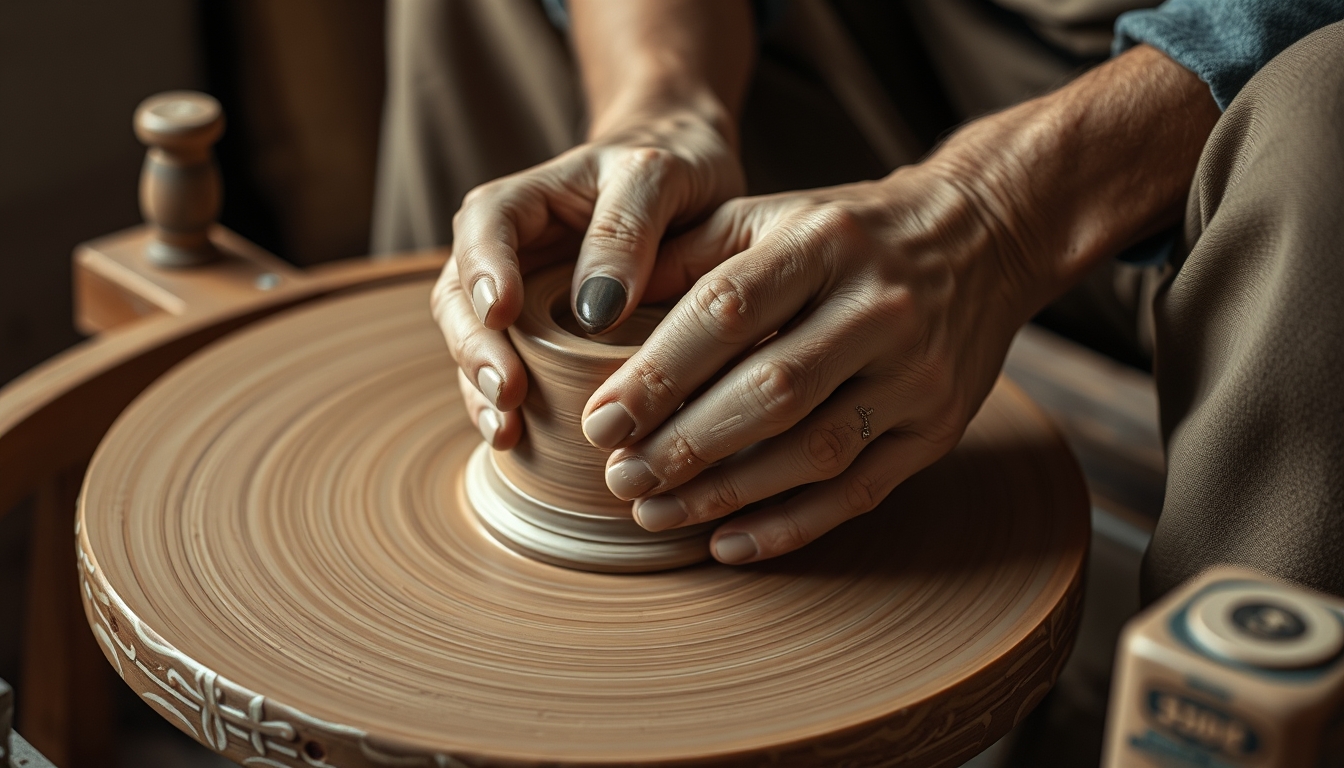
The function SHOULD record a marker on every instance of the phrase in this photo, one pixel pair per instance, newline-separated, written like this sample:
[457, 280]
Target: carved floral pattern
[218, 713]
[244, 726]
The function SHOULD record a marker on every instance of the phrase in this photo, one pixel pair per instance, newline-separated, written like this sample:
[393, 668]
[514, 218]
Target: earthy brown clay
[554, 499]
[278, 558]
[554, 462]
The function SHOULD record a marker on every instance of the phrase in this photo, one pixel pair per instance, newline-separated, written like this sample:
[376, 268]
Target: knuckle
[824, 232]
[861, 494]
[944, 430]
[837, 222]
[653, 161]
[893, 306]
[777, 389]
[723, 311]
[792, 532]
[732, 208]
[616, 230]
[686, 453]
[826, 452]
[468, 346]
[473, 254]
[475, 194]
[722, 497]
[657, 385]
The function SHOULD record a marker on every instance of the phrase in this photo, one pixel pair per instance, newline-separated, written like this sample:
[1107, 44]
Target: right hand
[614, 198]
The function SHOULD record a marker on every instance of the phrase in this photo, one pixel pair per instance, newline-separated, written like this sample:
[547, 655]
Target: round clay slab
[278, 557]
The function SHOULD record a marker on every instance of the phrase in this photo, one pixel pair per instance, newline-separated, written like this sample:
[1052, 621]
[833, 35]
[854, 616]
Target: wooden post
[179, 186]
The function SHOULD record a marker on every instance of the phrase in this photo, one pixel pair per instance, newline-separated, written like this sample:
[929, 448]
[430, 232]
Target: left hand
[845, 337]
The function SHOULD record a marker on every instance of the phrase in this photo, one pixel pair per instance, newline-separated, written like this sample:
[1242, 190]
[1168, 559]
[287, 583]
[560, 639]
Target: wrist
[1069, 179]
[994, 168]
[940, 218]
[654, 100]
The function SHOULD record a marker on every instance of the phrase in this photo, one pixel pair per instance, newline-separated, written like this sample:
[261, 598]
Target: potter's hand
[616, 196]
[891, 306]
[663, 79]
[844, 337]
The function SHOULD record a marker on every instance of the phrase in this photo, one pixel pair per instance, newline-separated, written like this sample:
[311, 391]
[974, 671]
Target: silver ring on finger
[864, 413]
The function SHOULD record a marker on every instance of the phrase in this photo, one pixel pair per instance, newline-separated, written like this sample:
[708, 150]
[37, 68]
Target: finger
[818, 448]
[500, 431]
[729, 310]
[498, 219]
[775, 530]
[686, 258]
[778, 385]
[621, 243]
[484, 355]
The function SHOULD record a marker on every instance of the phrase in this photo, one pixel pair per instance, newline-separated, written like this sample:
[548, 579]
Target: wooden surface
[116, 282]
[53, 416]
[276, 555]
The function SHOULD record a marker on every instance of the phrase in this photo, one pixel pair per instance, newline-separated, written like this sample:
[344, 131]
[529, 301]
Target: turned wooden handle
[179, 184]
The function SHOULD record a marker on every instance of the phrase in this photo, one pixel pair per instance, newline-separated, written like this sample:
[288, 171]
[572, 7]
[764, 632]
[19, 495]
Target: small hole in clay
[113, 622]
[314, 750]
[632, 333]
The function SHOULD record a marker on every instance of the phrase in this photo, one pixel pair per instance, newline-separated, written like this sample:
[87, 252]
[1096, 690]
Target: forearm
[1073, 177]
[643, 58]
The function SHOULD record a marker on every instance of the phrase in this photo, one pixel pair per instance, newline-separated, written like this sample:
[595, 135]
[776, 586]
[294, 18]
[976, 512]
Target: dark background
[301, 83]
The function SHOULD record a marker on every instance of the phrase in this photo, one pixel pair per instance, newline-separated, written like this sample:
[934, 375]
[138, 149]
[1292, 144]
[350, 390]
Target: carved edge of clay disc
[243, 725]
[254, 730]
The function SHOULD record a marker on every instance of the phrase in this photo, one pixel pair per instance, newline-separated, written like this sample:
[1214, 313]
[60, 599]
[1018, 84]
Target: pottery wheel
[278, 557]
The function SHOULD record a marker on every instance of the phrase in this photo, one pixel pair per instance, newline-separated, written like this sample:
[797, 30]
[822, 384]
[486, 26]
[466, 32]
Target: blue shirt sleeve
[1224, 42]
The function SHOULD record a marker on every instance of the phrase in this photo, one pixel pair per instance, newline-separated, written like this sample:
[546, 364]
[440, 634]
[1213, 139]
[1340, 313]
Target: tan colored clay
[277, 556]
[550, 499]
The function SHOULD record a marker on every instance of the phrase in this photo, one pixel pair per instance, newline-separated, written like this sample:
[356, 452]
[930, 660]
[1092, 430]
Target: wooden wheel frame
[821, 693]
[1004, 591]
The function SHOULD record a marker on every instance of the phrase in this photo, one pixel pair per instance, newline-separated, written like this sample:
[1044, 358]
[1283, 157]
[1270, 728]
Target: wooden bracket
[116, 282]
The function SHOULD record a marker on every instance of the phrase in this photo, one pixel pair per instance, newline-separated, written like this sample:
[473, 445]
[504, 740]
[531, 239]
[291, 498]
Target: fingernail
[660, 513]
[490, 384]
[483, 297]
[606, 427]
[488, 423]
[735, 548]
[630, 478]
[601, 300]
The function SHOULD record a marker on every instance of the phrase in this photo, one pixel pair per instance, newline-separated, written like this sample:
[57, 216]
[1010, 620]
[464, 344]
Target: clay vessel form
[277, 555]
[548, 497]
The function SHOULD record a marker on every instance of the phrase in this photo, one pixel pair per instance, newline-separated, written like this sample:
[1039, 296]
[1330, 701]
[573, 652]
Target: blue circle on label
[1267, 621]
